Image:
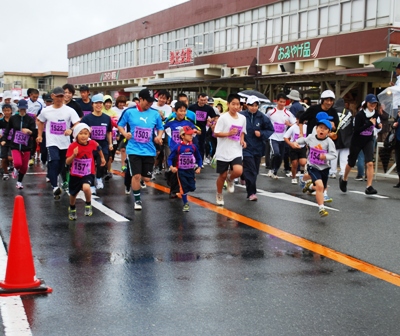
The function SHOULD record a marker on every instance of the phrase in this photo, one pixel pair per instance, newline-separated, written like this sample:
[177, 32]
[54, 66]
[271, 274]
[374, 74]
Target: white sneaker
[99, 184]
[231, 185]
[270, 173]
[288, 174]
[127, 191]
[273, 176]
[294, 181]
[138, 205]
[206, 161]
[19, 185]
[332, 176]
[93, 190]
[220, 199]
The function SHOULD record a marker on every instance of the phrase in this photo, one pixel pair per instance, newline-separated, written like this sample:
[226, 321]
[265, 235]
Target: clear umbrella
[390, 100]
[247, 93]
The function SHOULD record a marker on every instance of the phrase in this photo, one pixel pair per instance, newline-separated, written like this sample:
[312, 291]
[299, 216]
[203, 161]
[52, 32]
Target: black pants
[202, 142]
[251, 167]
[100, 170]
[397, 155]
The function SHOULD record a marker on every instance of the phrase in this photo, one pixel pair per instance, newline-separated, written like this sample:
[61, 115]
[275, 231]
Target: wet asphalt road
[165, 272]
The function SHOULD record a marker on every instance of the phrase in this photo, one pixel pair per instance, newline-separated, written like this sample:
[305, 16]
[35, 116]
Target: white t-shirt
[294, 131]
[278, 119]
[166, 109]
[57, 121]
[229, 148]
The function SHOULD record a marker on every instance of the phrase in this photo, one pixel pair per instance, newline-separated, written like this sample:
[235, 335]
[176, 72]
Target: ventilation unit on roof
[226, 72]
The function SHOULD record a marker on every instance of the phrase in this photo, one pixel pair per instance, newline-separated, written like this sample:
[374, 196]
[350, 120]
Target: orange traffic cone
[20, 273]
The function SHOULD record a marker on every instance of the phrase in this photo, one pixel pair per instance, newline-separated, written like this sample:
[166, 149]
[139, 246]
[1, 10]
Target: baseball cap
[47, 98]
[23, 104]
[186, 130]
[371, 98]
[294, 95]
[97, 98]
[252, 99]
[79, 128]
[58, 91]
[323, 116]
[327, 94]
[84, 88]
[145, 94]
[210, 100]
[325, 122]
[173, 103]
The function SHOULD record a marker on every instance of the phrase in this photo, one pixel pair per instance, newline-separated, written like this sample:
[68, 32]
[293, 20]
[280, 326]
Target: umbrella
[222, 102]
[390, 100]
[387, 63]
[247, 93]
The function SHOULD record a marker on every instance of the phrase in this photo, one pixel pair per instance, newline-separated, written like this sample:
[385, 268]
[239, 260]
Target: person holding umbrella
[398, 76]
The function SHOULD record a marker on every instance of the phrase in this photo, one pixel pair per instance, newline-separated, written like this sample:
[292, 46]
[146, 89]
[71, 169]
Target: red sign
[178, 57]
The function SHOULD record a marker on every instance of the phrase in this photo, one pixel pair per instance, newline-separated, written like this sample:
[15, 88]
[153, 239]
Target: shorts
[296, 154]
[5, 152]
[187, 180]
[54, 153]
[223, 166]
[355, 149]
[317, 174]
[76, 183]
[138, 164]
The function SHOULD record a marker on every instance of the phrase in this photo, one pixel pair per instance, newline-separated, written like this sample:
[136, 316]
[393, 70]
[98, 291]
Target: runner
[34, 109]
[80, 158]
[85, 102]
[58, 119]
[5, 153]
[141, 151]
[185, 161]
[229, 130]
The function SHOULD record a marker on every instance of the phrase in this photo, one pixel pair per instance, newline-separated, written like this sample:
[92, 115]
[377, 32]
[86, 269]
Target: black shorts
[76, 183]
[223, 166]
[5, 152]
[296, 154]
[122, 142]
[355, 149]
[187, 180]
[142, 165]
[317, 174]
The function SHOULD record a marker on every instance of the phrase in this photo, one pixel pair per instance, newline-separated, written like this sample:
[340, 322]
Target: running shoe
[72, 214]
[207, 161]
[327, 199]
[142, 184]
[359, 178]
[274, 176]
[186, 207]
[19, 185]
[230, 185]
[99, 184]
[302, 183]
[6, 177]
[15, 173]
[253, 197]
[342, 184]
[108, 176]
[288, 173]
[138, 205]
[270, 173]
[123, 169]
[332, 176]
[294, 181]
[225, 185]
[307, 186]
[93, 190]
[31, 162]
[57, 193]
[65, 186]
[88, 210]
[173, 195]
[127, 191]
[371, 191]
[323, 213]
[220, 199]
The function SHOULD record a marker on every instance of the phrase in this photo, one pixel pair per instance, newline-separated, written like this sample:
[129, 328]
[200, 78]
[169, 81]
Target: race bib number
[98, 132]
[186, 161]
[114, 135]
[236, 137]
[175, 136]
[295, 137]
[314, 156]
[368, 131]
[142, 134]
[10, 134]
[21, 138]
[58, 128]
[86, 112]
[32, 115]
[279, 128]
[82, 167]
[201, 115]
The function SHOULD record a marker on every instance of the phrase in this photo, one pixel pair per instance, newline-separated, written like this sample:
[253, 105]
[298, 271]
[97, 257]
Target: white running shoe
[99, 184]
[138, 205]
[294, 181]
[220, 199]
[93, 190]
[231, 186]
[19, 185]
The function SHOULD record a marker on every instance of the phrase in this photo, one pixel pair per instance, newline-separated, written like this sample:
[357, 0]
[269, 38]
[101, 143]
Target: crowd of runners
[76, 142]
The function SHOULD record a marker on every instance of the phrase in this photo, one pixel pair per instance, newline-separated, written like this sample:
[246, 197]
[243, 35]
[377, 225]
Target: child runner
[322, 150]
[229, 130]
[185, 160]
[20, 128]
[80, 158]
[5, 153]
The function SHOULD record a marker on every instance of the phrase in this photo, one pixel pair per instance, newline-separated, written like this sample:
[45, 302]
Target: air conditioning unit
[226, 72]
[244, 72]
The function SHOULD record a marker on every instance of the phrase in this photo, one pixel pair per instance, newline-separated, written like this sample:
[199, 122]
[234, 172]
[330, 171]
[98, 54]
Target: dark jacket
[345, 131]
[363, 128]
[15, 124]
[256, 122]
[310, 116]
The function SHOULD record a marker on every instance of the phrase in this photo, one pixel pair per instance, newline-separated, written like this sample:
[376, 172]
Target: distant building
[21, 81]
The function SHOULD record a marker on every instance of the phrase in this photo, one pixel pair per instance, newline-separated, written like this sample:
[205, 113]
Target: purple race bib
[32, 115]
[10, 134]
[368, 131]
[81, 167]
[114, 135]
[98, 132]
[279, 128]
[175, 136]
[186, 161]
[142, 134]
[314, 156]
[236, 137]
[21, 138]
[58, 128]
[201, 115]
[86, 112]
[295, 137]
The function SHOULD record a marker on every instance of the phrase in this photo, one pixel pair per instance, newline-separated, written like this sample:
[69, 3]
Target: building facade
[223, 46]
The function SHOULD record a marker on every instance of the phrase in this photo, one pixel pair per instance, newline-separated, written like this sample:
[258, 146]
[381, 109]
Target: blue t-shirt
[189, 114]
[142, 125]
[175, 126]
[100, 125]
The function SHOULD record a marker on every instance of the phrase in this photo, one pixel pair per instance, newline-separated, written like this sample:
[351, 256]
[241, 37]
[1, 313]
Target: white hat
[294, 95]
[327, 94]
[79, 128]
[252, 99]
[173, 103]
[7, 95]
[1, 95]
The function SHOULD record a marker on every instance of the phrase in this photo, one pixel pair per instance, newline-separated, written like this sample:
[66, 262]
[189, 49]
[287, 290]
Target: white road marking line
[111, 213]
[15, 321]
[37, 173]
[363, 193]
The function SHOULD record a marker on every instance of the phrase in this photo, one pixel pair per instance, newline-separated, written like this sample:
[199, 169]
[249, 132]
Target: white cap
[79, 128]
[252, 99]
[327, 94]
[1, 95]
[173, 103]
[7, 95]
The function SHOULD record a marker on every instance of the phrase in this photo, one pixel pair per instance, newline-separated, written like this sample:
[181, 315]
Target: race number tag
[21, 138]
[236, 137]
[32, 115]
[58, 128]
[279, 128]
[82, 167]
[314, 156]
[186, 161]
[98, 132]
[142, 134]
[295, 137]
[201, 115]
[114, 135]
[10, 134]
[368, 131]
[175, 136]
[86, 112]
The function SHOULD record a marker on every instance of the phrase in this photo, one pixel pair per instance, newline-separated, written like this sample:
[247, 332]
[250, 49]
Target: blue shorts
[187, 180]
[317, 174]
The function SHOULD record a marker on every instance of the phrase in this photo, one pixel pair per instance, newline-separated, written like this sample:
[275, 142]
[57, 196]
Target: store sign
[109, 76]
[182, 56]
[295, 51]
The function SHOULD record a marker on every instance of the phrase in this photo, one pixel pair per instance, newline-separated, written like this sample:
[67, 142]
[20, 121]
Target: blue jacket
[256, 122]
